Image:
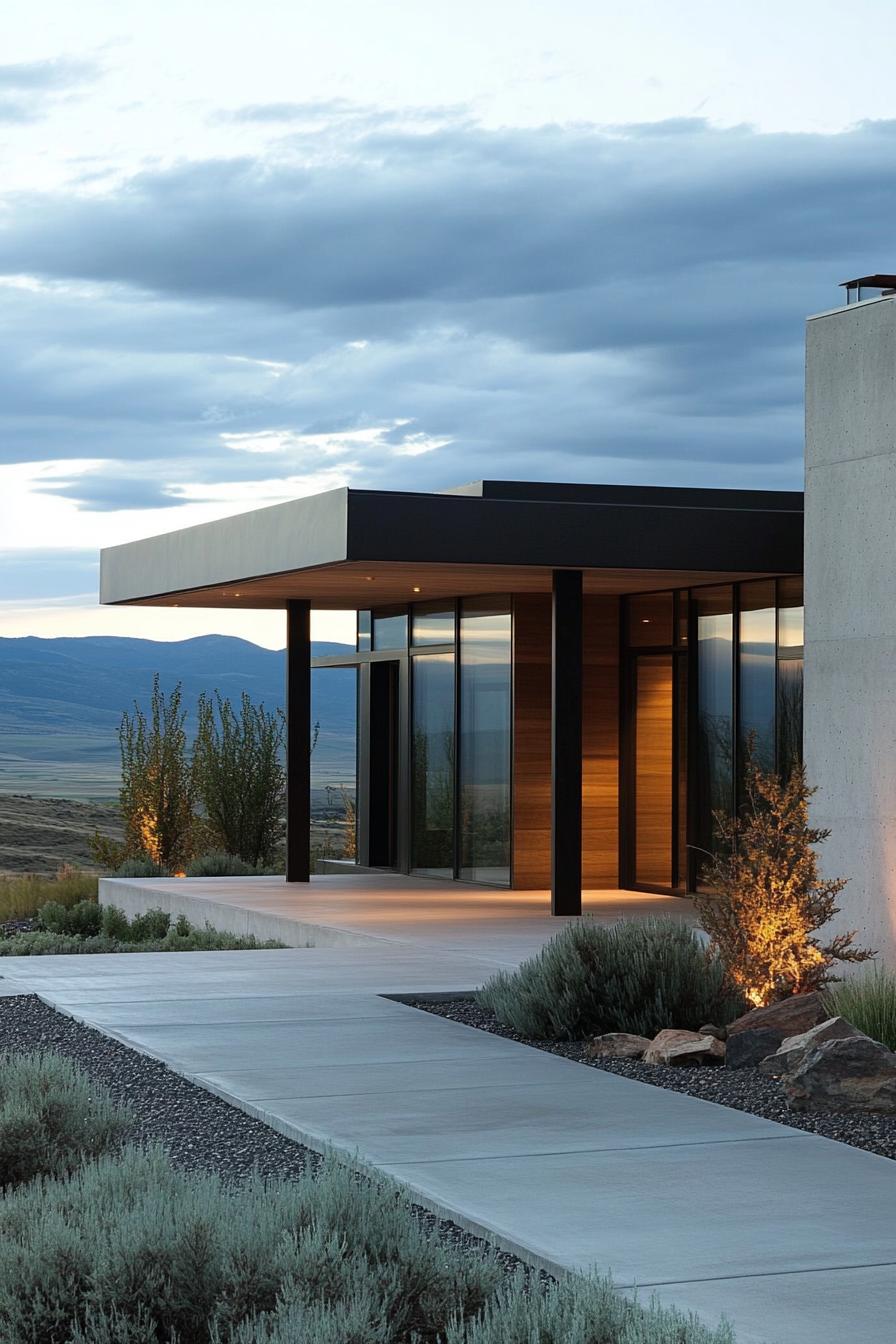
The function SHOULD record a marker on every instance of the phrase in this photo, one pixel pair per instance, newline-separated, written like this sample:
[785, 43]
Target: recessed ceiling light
[416, 590]
[645, 620]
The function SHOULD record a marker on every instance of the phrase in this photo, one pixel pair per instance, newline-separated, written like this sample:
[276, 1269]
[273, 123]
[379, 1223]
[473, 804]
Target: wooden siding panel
[532, 743]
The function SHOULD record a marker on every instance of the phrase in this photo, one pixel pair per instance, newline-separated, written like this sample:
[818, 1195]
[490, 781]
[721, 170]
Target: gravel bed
[742, 1089]
[199, 1130]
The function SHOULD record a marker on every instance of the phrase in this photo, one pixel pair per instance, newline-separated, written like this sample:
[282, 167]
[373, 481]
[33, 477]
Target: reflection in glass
[653, 770]
[790, 715]
[334, 711]
[714, 712]
[364, 627]
[390, 632]
[432, 843]
[790, 674]
[650, 619]
[757, 672]
[485, 714]
[433, 625]
[790, 616]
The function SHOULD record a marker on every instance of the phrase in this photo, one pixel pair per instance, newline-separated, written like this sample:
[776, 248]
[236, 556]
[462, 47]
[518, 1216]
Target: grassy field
[39, 835]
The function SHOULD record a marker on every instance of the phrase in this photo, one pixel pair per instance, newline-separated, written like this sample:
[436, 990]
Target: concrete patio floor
[792, 1236]
[485, 923]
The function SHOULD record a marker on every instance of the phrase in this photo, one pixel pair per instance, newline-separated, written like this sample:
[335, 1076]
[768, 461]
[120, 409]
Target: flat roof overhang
[359, 548]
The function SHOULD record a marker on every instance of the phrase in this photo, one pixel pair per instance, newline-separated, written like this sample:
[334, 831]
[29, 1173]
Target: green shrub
[21, 897]
[869, 1003]
[51, 1118]
[150, 927]
[637, 975]
[115, 923]
[181, 1255]
[219, 864]
[83, 920]
[150, 932]
[140, 868]
[129, 1251]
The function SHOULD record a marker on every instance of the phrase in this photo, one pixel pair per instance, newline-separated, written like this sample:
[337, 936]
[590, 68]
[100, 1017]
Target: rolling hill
[61, 702]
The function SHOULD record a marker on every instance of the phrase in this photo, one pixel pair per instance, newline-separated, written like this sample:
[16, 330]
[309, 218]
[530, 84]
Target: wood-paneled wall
[532, 742]
[600, 745]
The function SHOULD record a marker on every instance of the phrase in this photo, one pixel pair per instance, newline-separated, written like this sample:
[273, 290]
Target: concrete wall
[850, 567]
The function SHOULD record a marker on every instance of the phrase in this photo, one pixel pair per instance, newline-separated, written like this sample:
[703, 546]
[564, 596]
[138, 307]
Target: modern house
[556, 683]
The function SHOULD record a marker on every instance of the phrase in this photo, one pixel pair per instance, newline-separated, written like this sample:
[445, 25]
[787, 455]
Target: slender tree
[239, 776]
[766, 900]
[156, 793]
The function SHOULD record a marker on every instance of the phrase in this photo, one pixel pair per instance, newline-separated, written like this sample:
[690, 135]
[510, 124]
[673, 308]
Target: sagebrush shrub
[218, 864]
[138, 867]
[129, 1244]
[637, 975]
[51, 1118]
[149, 927]
[83, 920]
[579, 1311]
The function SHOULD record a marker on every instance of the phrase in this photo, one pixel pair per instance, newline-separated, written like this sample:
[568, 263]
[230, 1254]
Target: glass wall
[432, 764]
[432, 625]
[715, 711]
[756, 668]
[485, 729]
[390, 630]
[790, 674]
[334, 712]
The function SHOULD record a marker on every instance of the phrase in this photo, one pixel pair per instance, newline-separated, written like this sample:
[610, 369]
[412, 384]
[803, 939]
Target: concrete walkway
[793, 1237]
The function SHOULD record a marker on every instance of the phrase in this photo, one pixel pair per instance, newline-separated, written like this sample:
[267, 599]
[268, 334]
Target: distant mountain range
[61, 702]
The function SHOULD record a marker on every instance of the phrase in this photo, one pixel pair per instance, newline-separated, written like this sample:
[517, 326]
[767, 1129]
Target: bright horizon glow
[267, 628]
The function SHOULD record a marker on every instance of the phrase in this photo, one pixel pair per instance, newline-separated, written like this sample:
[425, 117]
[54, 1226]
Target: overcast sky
[250, 251]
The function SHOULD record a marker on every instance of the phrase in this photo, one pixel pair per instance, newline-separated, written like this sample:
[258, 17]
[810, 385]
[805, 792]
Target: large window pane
[790, 615]
[334, 705]
[715, 744]
[390, 631]
[653, 770]
[432, 625]
[790, 674]
[485, 708]
[432, 746]
[757, 672]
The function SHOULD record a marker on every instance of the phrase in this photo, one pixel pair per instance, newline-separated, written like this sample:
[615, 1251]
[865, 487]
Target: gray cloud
[103, 493]
[624, 303]
[28, 88]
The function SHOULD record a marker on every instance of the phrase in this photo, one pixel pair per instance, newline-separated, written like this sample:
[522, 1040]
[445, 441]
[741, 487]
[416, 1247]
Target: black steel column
[298, 741]
[566, 744]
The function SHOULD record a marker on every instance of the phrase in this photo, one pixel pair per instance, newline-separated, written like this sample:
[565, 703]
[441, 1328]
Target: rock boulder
[619, 1044]
[850, 1074]
[759, 1033]
[791, 1053]
[684, 1047]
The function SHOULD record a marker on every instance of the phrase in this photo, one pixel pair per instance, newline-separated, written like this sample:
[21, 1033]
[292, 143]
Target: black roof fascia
[471, 529]
[674, 497]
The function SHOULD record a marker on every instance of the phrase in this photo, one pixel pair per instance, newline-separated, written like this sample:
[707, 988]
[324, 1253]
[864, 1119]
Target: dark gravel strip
[742, 1089]
[199, 1130]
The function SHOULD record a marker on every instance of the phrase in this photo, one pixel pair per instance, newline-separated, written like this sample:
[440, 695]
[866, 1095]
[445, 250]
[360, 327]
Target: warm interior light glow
[180, 874]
